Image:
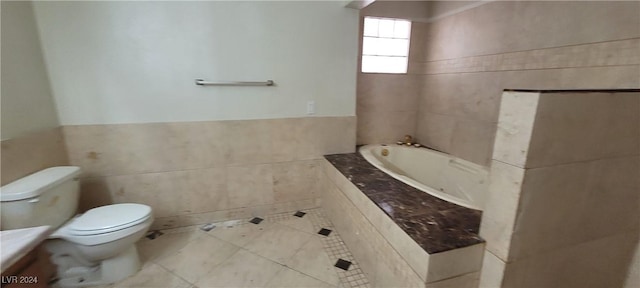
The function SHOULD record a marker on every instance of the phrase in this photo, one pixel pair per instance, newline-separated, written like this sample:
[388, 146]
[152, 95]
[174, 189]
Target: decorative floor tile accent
[343, 264]
[184, 239]
[154, 234]
[207, 227]
[324, 232]
[299, 214]
[256, 220]
[336, 249]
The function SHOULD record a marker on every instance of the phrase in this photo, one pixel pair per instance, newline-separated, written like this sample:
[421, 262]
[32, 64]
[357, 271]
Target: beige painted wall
[470, 57]
[31, 139]
[27, 105]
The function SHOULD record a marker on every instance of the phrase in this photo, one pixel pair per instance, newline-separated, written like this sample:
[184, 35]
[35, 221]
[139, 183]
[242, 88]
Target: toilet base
[109, 271]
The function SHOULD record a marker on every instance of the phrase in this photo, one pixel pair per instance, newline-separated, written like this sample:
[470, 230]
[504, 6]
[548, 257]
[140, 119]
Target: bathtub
[444, 176]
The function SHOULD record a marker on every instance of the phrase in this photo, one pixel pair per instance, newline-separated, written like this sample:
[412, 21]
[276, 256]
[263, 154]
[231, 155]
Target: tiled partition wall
[32, 152]
[562, 209]
[470, 57]
[198, 172]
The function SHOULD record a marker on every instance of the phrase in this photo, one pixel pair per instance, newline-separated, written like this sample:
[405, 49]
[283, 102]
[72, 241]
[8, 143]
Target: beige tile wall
[599, 263]
[563, 209]
[470, 57]
[633, 274]
[198, 172]
[459, 65]
[387, 104]
[509, 26]
[32, 152]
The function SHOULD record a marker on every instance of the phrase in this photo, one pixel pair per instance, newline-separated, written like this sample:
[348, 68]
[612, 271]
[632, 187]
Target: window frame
[405, 55]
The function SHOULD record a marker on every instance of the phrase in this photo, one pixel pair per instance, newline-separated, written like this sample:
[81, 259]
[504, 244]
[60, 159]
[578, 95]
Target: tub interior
[434, 172]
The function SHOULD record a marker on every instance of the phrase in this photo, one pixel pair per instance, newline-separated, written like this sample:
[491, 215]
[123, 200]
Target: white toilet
[93, 248]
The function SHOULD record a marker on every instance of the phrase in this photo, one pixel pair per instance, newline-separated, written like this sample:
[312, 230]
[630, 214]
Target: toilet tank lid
[35, 184]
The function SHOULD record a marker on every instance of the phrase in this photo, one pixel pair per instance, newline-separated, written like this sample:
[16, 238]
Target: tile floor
[281, 251]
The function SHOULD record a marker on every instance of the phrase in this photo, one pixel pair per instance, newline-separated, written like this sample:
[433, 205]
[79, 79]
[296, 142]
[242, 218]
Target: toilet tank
[47, 197]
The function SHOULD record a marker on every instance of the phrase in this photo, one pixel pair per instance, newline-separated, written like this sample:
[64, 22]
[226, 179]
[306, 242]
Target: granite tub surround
[563, 161]
[32, 152]
[198, 172]
[425, 240]
[436, 225]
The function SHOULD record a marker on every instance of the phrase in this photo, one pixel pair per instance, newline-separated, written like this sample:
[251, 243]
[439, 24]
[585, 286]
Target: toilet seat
[109, 218]
[106, 224]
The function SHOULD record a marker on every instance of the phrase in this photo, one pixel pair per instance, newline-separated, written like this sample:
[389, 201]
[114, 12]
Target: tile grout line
[174, 274]
[524, 69]
[530, 50]
[199, 234]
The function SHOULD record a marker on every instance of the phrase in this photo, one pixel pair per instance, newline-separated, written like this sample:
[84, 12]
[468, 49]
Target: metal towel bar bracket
[206, 83]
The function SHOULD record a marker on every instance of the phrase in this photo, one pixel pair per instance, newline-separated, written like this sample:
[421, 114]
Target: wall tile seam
[565, 247]
[519, 60]
[519, 214]
[518, 217]
[510, 164]
[528, 69]
[205, 121]
[240, 209]
[511, 229]
[452, 277]
[383, 109]
[631, 229]
[458, 117]
[497, 257]
[528, 50]
[34, 133]
[374, 226]
[196, 169]
[457, 12]
[275, 162]
[571, 162]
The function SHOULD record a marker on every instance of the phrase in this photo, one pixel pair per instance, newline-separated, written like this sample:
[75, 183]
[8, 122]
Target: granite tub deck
[436, 225]
[425, 241]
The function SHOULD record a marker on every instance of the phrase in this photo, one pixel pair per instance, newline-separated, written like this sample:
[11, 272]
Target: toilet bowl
[94, 248]
[101, 240]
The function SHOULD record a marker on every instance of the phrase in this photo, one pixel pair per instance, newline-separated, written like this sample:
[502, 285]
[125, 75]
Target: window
[385, 45]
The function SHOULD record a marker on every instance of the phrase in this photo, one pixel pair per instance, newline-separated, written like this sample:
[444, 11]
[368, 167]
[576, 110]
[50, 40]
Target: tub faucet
[408, 140]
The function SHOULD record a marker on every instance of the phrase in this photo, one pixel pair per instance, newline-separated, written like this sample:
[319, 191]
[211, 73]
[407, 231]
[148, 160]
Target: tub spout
[408, 140]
